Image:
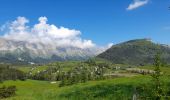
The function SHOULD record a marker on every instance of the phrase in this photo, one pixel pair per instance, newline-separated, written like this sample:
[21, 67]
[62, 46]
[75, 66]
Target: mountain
[13, 51]
[136, 52]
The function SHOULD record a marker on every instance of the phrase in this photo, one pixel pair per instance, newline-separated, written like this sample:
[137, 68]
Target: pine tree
[156, 77]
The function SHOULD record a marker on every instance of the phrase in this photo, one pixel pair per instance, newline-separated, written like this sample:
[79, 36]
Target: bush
[6, 92]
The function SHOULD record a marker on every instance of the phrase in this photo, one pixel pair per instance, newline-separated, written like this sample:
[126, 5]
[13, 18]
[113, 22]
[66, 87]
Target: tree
[156, 77]
[153, 90]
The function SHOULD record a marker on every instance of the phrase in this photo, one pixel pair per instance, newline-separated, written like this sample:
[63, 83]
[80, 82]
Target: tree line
[9, 73]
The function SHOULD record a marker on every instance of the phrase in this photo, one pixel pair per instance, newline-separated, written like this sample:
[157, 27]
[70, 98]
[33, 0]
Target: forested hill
[136, 52]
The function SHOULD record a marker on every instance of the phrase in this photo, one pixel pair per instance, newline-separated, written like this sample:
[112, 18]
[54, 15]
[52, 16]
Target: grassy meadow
[111, 89]
[118, 84]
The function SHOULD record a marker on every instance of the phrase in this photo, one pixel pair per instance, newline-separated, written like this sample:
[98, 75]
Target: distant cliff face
[138, 52]
[12, 51]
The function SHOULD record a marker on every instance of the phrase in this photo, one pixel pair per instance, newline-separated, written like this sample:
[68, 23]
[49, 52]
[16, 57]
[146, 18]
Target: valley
[121, 85]
[97, 78]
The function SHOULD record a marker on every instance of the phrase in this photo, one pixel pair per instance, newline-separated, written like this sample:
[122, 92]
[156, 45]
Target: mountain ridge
[13, 51]
[136, 52]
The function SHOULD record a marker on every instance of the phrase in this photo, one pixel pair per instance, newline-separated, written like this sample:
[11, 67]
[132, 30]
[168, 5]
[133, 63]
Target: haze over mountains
[134, 52]
[43, 43]
[23, 51]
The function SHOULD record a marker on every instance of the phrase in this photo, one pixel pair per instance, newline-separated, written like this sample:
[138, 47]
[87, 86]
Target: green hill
[136, 52]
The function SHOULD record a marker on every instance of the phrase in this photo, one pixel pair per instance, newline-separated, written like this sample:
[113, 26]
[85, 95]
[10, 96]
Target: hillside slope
[136, 52]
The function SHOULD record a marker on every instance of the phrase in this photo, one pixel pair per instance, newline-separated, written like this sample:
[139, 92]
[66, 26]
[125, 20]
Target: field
[112, 89]
[121, 82]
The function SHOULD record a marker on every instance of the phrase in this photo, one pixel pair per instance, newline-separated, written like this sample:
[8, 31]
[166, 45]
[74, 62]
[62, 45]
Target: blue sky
[102, 21]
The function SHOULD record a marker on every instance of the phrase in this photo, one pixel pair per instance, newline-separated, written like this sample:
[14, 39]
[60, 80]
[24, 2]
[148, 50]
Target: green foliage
[9, 73]
[6, 92]
[49, 74]
[91, 62]
[157, 90]
[83, 73]
[68, 72]
[79, 74]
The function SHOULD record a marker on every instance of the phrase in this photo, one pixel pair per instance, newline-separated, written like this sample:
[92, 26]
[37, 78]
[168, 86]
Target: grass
[31, 89]
[118, 88]
[111, 89]
[25, 69]
[66, 66]
[165, 70]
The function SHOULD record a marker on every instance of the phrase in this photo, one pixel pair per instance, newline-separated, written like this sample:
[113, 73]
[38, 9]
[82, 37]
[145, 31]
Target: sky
[92, 22]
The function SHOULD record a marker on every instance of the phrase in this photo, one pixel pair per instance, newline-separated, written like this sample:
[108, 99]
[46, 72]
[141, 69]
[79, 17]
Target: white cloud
[49, 34]
[137, 4]
[110, 45]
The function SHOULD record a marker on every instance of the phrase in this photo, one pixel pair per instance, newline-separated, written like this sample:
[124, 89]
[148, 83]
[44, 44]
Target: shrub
[6, 92]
